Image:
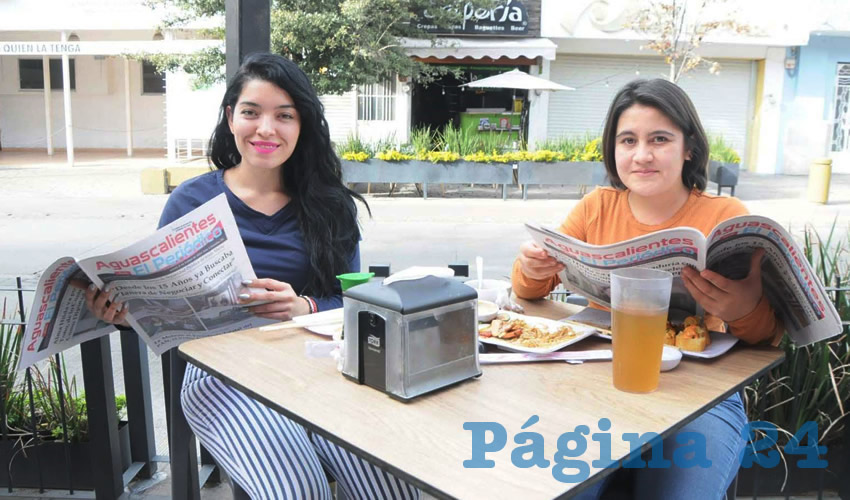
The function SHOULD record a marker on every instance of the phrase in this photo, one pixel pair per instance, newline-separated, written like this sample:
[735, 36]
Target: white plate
[327, 323]
[720, 342]
[581, 330]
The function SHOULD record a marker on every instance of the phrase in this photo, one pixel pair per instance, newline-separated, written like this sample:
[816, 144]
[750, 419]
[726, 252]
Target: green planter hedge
[577, 173]
[424, 172]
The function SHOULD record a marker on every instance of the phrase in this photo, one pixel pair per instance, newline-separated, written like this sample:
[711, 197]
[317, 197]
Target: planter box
[54, 468]
[724, 174]
[800, 481]
[424, 172]
[576, 173]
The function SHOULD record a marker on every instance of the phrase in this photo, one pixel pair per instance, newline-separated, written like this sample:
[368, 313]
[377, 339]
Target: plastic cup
[640, 299]
[353, 279]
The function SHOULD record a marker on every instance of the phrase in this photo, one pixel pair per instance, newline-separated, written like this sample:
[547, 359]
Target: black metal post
[103, 423]
[29, 389]
[67, 443]
[137, 385]
[35, 438]
[181, 441]
[166, 390]
[247, 26]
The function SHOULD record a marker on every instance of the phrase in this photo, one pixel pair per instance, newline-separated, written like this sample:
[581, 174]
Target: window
[376, 101]
[32, 74]
[153, 82]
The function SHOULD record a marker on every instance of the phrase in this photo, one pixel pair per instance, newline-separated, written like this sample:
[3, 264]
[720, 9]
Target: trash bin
[819, 175]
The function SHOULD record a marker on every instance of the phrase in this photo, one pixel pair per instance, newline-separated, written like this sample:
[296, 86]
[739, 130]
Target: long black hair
[674, 103]
[312, 176]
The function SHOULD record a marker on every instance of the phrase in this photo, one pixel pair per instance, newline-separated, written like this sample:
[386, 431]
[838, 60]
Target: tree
[677, 29]
[337, 43]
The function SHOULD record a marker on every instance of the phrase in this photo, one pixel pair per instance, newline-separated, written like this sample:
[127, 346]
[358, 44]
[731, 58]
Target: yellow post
[820, 174]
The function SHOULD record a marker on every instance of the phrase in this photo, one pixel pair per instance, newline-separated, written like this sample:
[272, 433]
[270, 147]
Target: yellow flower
[355, 156]
[441, 156]
[394, 155]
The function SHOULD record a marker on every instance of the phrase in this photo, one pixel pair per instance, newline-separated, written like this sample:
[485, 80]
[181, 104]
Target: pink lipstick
[264, 147]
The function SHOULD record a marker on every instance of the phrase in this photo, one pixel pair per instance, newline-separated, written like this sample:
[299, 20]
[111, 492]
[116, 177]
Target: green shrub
[813, 384]
[720, 151]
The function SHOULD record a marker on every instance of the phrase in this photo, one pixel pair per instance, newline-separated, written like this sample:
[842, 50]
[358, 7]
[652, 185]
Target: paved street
[48, 210]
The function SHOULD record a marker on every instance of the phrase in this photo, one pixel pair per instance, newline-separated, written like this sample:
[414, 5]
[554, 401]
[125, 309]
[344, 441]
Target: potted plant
[576, 162]
[812, 385]
[724, 164]
[20, 455]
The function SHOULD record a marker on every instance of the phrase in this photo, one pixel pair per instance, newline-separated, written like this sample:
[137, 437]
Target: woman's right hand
[536, 263]
[98, 303]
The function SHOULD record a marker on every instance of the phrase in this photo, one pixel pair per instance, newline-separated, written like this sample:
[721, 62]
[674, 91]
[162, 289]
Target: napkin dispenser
[410, 337]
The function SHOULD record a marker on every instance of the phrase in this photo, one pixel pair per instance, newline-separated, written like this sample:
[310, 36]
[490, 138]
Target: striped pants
[272, 457]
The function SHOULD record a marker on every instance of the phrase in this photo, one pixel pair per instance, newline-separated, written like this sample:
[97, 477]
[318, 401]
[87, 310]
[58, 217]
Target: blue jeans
[722, 427]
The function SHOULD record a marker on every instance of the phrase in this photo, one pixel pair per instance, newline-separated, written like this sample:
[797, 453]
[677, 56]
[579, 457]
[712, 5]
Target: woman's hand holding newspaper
[99, 303]
[279, 300]
[536, 263]
[727, 299]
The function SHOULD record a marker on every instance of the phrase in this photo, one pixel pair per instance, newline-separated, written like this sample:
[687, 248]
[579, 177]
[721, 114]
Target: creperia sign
[507, 18]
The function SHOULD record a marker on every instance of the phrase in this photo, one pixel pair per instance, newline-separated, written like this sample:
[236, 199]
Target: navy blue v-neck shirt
[274, 242]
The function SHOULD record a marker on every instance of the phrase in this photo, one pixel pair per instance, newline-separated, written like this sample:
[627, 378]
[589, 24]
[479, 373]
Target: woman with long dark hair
[298, 221]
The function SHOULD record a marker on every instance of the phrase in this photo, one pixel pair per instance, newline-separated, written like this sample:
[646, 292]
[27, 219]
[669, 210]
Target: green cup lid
[349, 280]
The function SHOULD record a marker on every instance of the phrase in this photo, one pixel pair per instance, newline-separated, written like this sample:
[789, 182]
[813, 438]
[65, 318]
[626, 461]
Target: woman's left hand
[283, 303]
[727, 299]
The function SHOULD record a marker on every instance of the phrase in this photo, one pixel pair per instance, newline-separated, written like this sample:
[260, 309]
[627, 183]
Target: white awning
[479, 48]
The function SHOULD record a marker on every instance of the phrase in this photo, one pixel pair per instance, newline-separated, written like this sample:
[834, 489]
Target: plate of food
[520, 333]
[688, 333]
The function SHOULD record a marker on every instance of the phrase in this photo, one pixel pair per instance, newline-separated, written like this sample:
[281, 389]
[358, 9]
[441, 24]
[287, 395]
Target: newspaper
[790, 284]
[180, 283]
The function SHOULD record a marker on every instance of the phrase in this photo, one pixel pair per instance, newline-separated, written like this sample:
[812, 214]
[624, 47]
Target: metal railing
[108, 476]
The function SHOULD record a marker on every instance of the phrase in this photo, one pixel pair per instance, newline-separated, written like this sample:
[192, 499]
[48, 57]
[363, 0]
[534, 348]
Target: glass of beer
[640, 298]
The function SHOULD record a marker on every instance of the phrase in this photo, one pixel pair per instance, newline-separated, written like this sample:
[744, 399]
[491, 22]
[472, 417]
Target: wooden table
[424, 441]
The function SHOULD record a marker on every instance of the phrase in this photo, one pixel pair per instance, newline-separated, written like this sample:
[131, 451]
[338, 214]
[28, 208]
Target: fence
[109, 474]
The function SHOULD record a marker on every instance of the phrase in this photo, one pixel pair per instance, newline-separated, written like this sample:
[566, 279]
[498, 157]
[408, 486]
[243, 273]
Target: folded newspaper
[180, 283]
[791, 286]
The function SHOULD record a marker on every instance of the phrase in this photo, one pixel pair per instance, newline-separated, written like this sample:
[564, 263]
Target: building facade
[780, 97]
[100, 97]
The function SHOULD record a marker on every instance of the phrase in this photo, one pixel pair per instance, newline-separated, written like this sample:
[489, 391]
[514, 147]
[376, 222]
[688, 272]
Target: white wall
[97, 107]
[191, 114]
[722, 100]
[341, 114]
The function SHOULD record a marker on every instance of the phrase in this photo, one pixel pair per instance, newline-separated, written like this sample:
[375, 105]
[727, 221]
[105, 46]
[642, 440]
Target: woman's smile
[264, 147]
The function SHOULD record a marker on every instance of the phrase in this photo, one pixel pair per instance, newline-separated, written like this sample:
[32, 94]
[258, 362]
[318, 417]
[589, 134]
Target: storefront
[487, 42]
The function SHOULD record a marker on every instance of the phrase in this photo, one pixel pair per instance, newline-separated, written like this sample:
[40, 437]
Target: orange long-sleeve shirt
[604, 217]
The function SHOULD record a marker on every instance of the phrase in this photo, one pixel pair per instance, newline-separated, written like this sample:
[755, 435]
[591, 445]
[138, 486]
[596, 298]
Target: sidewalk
[49, 210]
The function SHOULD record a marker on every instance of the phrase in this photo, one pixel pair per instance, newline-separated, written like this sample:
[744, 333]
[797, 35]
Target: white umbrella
[516, 79]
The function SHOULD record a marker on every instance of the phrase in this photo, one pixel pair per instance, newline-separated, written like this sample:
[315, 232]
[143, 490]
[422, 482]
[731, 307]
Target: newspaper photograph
[180, 283]
[790, 284]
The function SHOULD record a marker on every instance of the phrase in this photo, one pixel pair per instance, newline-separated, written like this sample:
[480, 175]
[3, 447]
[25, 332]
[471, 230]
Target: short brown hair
[671, 100]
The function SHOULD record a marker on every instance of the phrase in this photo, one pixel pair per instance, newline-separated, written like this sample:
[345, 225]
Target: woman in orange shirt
[656, 155]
